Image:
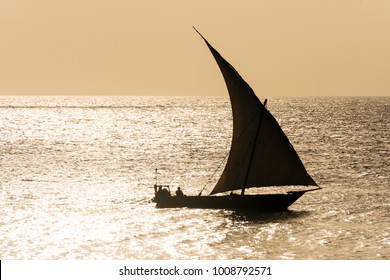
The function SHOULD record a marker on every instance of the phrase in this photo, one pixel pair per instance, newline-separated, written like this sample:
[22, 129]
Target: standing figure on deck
[179, 192]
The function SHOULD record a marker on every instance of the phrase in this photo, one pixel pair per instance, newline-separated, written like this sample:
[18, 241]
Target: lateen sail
[272, 160]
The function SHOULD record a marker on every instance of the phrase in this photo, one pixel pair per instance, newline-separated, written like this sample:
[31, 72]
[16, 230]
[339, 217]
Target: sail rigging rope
[215, 171]
[224, 159]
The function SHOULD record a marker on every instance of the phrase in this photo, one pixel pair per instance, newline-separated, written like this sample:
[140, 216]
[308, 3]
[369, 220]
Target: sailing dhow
[260, 156]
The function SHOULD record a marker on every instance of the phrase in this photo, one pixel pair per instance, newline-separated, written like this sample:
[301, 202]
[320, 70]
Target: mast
[253, 148]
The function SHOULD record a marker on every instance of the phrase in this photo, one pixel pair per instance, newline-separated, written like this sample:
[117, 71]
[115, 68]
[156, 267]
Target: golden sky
[145, 47]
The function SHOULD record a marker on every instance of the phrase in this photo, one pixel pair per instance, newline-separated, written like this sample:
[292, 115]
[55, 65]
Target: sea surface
[77, 176]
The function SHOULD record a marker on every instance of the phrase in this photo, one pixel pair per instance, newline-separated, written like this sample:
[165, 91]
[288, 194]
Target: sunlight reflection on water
[77, 176]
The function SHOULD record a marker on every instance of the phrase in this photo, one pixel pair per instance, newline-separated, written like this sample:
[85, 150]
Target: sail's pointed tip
[198, 32]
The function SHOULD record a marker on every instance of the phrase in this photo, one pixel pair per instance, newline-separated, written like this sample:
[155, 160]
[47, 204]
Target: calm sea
[77, 174]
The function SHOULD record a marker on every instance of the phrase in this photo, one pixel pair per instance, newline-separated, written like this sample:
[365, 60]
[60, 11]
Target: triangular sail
[272, 161]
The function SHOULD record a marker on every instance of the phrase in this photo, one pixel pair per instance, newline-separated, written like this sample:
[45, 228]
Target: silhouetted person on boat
[179, 192]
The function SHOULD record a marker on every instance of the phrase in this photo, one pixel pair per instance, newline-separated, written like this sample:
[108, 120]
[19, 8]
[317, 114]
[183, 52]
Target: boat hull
[260, 202]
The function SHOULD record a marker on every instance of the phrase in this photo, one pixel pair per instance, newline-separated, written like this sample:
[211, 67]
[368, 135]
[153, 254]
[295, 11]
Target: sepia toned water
[77, 177]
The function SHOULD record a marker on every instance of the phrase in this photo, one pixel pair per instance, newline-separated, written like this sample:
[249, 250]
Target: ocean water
[77, 176]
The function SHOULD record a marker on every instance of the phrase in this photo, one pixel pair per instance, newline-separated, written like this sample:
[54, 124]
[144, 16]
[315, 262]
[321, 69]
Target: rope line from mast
[235, 140]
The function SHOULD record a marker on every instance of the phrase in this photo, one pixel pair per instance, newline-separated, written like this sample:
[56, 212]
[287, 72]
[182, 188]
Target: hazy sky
[280, 47]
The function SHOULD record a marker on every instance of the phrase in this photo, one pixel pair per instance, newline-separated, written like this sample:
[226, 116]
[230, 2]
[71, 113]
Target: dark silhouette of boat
[260, 156]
